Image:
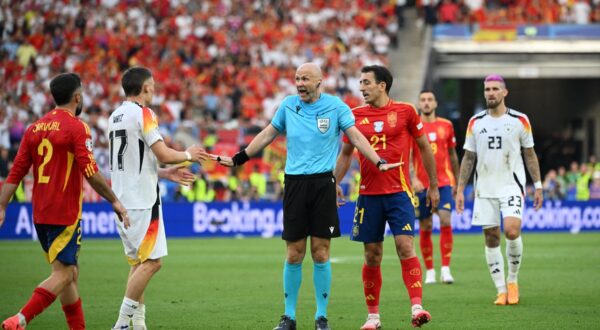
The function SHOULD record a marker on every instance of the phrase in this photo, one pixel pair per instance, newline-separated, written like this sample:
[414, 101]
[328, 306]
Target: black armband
[381, 162]
[240, 158]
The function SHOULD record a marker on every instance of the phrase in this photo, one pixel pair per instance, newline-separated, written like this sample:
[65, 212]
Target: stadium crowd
[221, 68]
[497, 12]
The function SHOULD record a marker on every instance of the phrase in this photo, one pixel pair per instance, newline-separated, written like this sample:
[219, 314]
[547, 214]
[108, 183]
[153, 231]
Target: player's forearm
[101, 187]
[429, 164]
[8, 189]
[466, 168]
[533, 166]
[454, 162]
[360, 142]
[260, 141]
[341, 167]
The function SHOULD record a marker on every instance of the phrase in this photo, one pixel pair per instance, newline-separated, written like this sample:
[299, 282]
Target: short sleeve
[22, 161]
[470, 144]
[415, 126]
[83, 149]
[526, 136]
[451, 137]
[345, 117]
[149, 125]
[278, 120]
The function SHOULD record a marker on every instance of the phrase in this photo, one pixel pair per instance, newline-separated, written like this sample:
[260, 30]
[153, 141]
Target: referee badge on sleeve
[323, 124]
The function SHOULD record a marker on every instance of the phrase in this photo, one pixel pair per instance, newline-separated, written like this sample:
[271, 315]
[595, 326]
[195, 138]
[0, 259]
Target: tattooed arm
[455, 166]
[466, 168]
[533, 167]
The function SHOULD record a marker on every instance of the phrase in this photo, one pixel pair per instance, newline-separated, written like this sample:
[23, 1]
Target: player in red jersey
[386, 196]
[440, 134]
[59, 146]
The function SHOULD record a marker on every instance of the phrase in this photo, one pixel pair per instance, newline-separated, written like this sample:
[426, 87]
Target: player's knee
[426, 224]
[320, 255]
[405, 250]
[512, 233]
[373, 259]
[152, 265]
[295, 256]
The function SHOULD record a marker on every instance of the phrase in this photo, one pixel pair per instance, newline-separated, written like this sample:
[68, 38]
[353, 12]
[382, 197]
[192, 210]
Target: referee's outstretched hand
[341, 200]
[223, 160]
[387, 167]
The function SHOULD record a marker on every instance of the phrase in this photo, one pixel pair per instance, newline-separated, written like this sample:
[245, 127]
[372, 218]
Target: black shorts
[309, 207]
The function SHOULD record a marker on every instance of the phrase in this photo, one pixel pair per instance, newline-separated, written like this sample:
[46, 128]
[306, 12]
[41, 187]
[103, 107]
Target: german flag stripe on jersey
[150, 121]
[472, 122]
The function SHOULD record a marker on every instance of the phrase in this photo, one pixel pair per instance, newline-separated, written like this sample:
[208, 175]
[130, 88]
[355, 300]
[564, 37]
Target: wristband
[240, 158]
[381, 162]
[537, 184]
[188, 156]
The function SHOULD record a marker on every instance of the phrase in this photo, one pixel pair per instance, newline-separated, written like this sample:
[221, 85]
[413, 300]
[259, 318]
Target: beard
[492, 104]
[79, 109]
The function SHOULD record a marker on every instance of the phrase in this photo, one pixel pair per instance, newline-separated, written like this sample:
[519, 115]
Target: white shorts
[487, 211]
[145, 238]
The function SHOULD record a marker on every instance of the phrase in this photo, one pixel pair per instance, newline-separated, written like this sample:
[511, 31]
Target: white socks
[495, 262]
[127, 311]
[514, 252]
[139, 317]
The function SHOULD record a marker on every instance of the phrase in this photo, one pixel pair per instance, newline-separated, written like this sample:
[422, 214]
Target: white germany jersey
[497, 143]
[132, 129]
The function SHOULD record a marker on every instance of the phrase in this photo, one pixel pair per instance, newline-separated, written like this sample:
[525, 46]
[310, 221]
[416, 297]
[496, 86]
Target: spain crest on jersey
[378, 126]
[323, 124]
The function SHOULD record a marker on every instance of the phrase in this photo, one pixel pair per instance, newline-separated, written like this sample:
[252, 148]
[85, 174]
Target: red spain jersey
[59, 146]
[390, 130]
[440, 135]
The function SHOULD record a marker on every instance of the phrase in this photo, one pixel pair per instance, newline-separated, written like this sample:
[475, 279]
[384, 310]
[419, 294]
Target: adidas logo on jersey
[365, 121]
[407, 227]
[483, 131]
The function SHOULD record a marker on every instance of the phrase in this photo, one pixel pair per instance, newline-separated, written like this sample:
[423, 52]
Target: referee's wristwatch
[381, 162]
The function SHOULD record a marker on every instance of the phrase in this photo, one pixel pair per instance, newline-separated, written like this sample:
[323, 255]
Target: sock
[446, 244]
[127, 311]
[74, 315]
[426, 247]
[292, 278]
[495, 262]
[139, 316]
[411, 274]
[39, 301]
[514, 252]
[371, 276]
[322, 282]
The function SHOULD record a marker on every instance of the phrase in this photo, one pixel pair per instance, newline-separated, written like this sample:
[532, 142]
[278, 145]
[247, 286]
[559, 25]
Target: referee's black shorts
[309, 207]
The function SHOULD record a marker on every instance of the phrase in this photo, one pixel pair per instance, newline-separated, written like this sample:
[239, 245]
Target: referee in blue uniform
[312, 122]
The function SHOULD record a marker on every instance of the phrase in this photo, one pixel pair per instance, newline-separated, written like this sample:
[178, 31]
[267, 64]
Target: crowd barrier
[265, 219]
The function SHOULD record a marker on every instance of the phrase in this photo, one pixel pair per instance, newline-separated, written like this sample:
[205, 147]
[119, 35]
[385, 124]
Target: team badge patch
[89, 144]
[378, 126]
[392, 119]
[355, 230]
[323, 124]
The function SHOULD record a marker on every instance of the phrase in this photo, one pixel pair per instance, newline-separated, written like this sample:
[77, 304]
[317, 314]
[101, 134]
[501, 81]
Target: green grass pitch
[237, 284]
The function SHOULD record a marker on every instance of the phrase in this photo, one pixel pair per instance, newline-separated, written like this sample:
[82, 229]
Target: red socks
[411, 274]
[426, 247]
[74, 315]
[446, 244]
[39, 301]
[371, 276]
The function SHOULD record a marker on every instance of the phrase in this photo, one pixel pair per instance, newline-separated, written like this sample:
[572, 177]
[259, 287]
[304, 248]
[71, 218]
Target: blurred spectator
[583, 183]
[595, 187]
[581, 12]
[551, 186]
